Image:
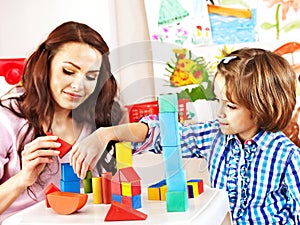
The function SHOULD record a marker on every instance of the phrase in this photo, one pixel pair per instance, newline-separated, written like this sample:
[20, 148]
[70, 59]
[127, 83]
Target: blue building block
[136, 202]
[70, 186]
[117, 198]
[169, 131]
[159, 184]
[168, 103]
[173, 161]
[177, 181]
[67, 173]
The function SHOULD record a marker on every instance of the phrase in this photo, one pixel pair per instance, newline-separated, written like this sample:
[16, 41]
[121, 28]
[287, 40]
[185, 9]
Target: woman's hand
[35, 156]
[85, 155]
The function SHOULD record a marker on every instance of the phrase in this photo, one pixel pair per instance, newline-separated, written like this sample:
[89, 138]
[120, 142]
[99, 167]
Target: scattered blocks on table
[121, 212]
[195, 187]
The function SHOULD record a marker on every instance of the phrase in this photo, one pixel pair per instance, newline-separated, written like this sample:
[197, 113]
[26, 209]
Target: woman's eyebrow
[78, 67]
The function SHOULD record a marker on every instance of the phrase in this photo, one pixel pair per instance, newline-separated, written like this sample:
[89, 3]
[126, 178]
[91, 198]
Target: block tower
[69, 181]
[126, 184]
[177, 194]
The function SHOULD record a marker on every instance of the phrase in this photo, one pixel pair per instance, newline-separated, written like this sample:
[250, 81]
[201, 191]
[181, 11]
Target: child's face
[233, 118]
[73, 74]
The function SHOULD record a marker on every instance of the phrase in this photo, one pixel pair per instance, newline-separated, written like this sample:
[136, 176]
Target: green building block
[168, 103]
[177, 201]
[87, 182]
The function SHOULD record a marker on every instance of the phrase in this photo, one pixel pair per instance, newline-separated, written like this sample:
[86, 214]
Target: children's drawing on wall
[182, 22]
[233, 21]
[280, 19]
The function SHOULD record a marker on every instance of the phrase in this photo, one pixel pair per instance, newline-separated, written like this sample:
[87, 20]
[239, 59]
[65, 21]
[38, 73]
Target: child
[246, 151]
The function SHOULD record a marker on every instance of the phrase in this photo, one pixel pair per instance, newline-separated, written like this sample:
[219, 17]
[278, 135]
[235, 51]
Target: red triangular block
[121, 212]
[51, 188]
[64, 148]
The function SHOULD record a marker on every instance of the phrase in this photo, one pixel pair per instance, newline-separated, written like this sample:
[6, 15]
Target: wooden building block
[168, 103]
[117, 198]
[169, 130]
[70, 186]
[123, 154]
[177, 201]
[66, 202]
[126, 188]
[64, 148]
[116, 187]
[97, 190]
[51, 188]
[106, 187]
[193, 191]
[67, 173]
[163, 192]
[199, 183]
[87, 182]
[121, 212]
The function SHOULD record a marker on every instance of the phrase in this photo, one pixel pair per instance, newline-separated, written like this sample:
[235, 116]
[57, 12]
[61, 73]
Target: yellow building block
[123, 155]
[163, 192]
[153, 193]
[195, 189]
[97, 190]
[126, 189]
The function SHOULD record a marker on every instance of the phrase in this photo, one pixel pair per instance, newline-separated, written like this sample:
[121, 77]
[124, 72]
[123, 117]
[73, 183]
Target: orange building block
[66, 202]
[51, 188]
[121, 212]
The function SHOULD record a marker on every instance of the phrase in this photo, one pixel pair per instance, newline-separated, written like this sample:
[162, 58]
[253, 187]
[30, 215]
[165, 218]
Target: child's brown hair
[263, 82]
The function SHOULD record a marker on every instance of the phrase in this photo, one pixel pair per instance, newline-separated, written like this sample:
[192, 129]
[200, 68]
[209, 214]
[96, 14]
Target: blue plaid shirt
[261, 176]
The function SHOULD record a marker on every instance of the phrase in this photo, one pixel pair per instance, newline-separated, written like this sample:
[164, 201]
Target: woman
[68, 90]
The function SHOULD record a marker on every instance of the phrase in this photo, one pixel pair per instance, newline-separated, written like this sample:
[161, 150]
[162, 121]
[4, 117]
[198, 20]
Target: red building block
[64, 148]
[106, 187]
[51, 188]
[121, 212]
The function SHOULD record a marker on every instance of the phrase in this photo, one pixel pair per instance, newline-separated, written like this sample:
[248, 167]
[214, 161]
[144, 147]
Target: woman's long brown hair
[37, 105]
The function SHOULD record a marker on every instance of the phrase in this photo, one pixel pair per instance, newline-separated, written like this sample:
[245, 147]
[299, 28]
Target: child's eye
[231, 106]
[68, 72]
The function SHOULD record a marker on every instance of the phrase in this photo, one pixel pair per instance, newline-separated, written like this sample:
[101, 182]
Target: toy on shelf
[12, 69]
[177, 194]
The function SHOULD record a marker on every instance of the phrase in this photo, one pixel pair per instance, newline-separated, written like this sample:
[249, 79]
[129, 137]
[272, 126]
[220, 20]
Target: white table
[211, 207]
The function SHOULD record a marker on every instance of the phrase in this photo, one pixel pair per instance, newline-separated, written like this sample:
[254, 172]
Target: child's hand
[35, 156]
[85, 155]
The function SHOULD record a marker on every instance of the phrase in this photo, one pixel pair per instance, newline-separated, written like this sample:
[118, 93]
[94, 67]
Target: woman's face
[73, 74]
[233, 118]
